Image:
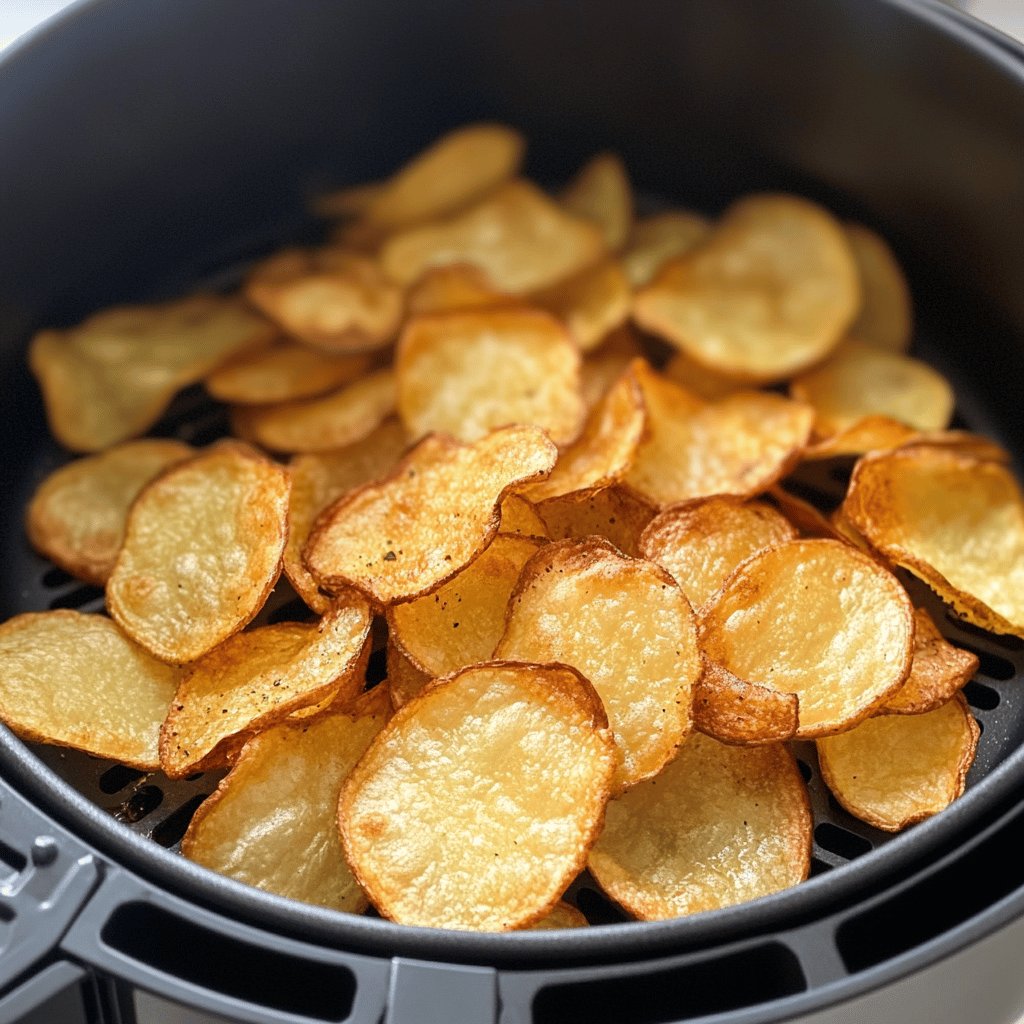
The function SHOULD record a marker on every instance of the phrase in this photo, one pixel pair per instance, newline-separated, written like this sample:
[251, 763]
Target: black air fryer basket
[149, 147]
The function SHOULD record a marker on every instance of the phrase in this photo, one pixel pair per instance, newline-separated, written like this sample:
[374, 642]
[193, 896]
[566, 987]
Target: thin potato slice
[78, 681]
[720, 825]
[615, 514]
[255, 679]
[701, 542]
[601, 193]
[627, 627]
[77, 515]
[562, 915]
[518, 517]
[818, 619]
[451, 288]
[734, 711]
[435, 513]
[350, 201]
[272, 821]
[518, 237]
[405, 680]
[894, 770]
[493, 844]
[770, 292]
[591, 303]
[870, 434]
[111, 377]
[202, 552]
[710, 385]
[662, 237]
[885, 318]
[462, 621]
[605, 365]
[466, 373]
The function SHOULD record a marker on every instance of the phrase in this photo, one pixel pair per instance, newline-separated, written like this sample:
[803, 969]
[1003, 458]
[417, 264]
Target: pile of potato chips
[545, 442]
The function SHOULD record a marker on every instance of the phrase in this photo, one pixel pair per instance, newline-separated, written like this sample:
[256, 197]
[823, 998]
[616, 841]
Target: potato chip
[462, 621]
[818, 619]
[320, 424]
[562, 915]
[601, 194]
[955, 522]
[518, 517]
[405, 680]
[272, 821]
[963, 442]
[603, 366]
[740, 445]
[437, 510]
[202, 551]
[350, 201]
[591, 303]
[894, 770]
[701, 542]
[466, 373]
[659, 238]
[77, 515]
[627, 627]
[770, 292]
[78, 681]
[451, 288]
[612, 513]
[111, 377]
[257, 678]
[493, 844]
[739, 712]
[720, 825]
[885, 318]
[870, 434]
[710, 385]
[518, 237]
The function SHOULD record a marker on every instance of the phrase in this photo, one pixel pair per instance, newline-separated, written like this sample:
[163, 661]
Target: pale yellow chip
[736, 711]
[518, 237]
[461, 622]
[591, 304]
[720, 825]
[111, 377]
[562, 915]
[76, 680]
[894, 770]
[710, 385]
[438, 509]
[886, 317]
[466, 373]
[605, 365]
[740, 445]
[451, 288]
[955, 522]
[405, 680]
[202, 551]
[701, 542]
[771, 291]
[600, 192]
[319, 424]
[627, 627]
[272, 821]
[476, 805]
[659, 238]
[256, 678]
[518, 516]
[77, 515]
[819, 619]
[612, 513]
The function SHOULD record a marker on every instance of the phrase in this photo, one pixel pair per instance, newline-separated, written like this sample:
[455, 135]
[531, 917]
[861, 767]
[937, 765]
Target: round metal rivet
[44, 850]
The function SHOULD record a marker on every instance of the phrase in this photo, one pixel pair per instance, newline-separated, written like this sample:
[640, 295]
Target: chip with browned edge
[736, 711]
[612, 513]
[601, 193]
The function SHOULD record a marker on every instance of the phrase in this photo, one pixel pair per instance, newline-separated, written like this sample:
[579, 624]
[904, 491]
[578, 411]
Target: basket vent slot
[174, 826]
[113, 780]
[992, 665]
[980, 696]
[837, 840]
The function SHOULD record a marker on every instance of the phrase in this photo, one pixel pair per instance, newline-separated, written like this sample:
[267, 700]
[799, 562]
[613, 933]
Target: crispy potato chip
[701, 542]
[613, 513]
[627, 627]
[454, 287]
[605, 365]
[320, 424]
[405, 680]
[740, 445]
[518, 237]
[466, 373]
[202, 551]
[818, 619]
[111, 377]
[710, 385]
[601, 193]
[657, 239]
[272, 821]
[720, 825]
[770, 292]
[255, 679]
[438, 509]
[591, 303]
[894, 770]
[870, 434]
[562, 915]
[461, 622]
[77, 515]
[350, 201]
[519, 517]
[955, 522]
[804, 516]
[78, 681]
[885, 318]
[735, 711]
[492, 845]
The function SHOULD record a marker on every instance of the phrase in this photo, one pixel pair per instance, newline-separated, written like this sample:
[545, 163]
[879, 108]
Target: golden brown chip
[466, 373]
[350, 201]
[720, 825]
[562, 915]
[451, 288]
[591, 303]
[272, 821]
[492, 844]
[77, 515]
[885, 318]
[710, 385]
[405, 680]
[517, 236]
[894, 770]
[202, 551]
[819, 619]
[605, 365]
[870, 434]
[436, 511]
[733, 710]
[627, 627]
[601, 194]
[111, 377]
[518, 517]
[256, 678]
[78, 681]
[613, 513]
[962, 442]
[770, 292]
[701, 542]
[657, 239]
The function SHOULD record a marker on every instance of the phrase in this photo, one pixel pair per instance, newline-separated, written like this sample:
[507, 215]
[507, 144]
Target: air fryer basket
[150, 148]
